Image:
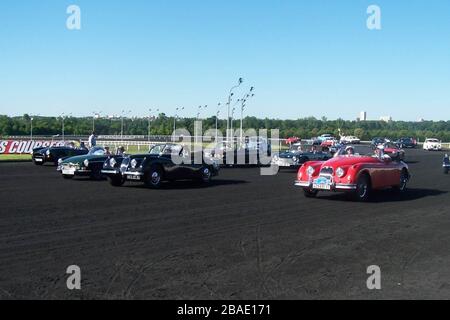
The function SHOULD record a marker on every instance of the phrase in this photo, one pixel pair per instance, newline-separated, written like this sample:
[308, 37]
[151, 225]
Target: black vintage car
[378, 141]
[446, 164]
[86, 165]
[164, 162]
[299, 154]
[406, 142]
[53, 154]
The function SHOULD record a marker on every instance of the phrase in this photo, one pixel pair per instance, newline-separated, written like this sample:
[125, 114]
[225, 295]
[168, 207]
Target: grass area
[15, 157]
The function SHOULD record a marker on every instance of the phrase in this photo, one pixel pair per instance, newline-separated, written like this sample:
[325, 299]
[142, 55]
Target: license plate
[131, 177]
[69, 172]
[322, 184]
[37, 159]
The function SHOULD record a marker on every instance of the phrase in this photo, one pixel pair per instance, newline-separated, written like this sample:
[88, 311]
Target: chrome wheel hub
[155, 178]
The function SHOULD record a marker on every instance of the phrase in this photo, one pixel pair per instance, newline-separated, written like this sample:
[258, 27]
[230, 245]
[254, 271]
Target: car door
[384, 174]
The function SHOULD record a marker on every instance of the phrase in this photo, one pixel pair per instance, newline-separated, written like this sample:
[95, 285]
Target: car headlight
[310, 171]
[60, 161]
[340, 172]
[112, 162]
[86, 163]
[133, 163]
[295, 159]
[47, 152]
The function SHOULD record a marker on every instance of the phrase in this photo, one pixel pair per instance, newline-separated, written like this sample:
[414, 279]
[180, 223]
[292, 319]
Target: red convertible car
[394, 152]
[357, 170]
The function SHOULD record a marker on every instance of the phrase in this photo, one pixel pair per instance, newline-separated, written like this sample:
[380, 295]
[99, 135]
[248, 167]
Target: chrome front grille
[68, 166]
[327, 171]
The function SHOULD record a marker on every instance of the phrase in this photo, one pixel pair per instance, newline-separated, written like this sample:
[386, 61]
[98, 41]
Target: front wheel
[116, 181]
[67, 176]
[205, 175]
[309, 193]
[96, 175]
[404, 177]
[362, 192]
[446, 170]
[153, 177]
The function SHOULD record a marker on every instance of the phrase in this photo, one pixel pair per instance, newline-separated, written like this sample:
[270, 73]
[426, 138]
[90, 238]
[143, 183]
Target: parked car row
[353, 168]
[151, 168]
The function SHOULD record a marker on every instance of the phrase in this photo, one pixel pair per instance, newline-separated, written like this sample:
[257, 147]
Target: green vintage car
[88, 165]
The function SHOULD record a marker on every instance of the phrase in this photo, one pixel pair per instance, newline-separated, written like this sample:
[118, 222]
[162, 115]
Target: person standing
[92, 140]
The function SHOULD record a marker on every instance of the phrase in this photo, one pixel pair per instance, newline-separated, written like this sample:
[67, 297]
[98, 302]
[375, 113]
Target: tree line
[163, 125]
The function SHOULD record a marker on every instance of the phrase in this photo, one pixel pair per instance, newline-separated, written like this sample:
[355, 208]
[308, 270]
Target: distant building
[386, 118]
[421, 120]
[363, 116]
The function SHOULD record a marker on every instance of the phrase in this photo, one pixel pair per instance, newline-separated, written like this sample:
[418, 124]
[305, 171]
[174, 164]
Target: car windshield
[433, 140]
[390, 145]
[97, 151]
[298, 147]
[166, 149]
[157, 149]
[358, 151]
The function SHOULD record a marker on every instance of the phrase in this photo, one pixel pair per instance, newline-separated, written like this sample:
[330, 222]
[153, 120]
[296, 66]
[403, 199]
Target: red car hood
[341, 161]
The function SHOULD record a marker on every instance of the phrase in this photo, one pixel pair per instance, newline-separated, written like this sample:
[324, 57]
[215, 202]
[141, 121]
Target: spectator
[92, 140]
[120, 151]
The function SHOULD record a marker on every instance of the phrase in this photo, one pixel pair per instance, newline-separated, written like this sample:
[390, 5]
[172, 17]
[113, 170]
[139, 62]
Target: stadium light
[31, 126]
[149, 121]
[124, 113]
[175, 120]
[95, 114]
[230, 95]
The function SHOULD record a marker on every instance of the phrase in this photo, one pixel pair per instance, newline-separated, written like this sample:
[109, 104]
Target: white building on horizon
[386, 118]
[363, 116]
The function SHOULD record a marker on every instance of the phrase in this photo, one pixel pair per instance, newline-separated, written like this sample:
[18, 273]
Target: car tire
[38, 163]
[96, 175]
[446, 170]
[116, 181]
[363, 188]
[153, 177]
[404, 177]
[205, 175]
[308, 193]
[67, 176]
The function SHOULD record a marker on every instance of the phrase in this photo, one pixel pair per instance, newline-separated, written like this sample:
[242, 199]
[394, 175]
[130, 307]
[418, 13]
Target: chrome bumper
[110, 171]
[133, 173]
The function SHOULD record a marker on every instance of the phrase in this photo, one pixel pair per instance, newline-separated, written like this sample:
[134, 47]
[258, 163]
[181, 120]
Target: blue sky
[304, 58]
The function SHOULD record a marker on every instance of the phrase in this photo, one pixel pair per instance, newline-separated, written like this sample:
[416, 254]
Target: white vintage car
[350, 140]
[432, 145]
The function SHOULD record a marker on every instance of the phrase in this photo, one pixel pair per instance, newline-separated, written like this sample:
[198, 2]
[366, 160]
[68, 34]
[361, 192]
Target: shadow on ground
[388, 195]
[187, 184]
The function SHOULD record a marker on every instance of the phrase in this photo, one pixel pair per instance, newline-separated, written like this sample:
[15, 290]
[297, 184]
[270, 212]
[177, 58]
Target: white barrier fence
[24, 146]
